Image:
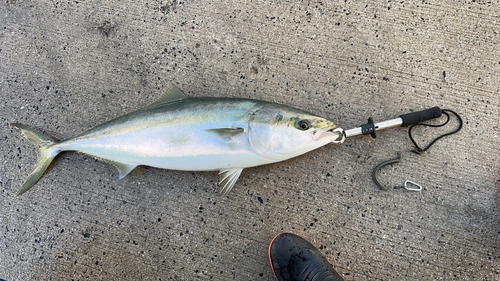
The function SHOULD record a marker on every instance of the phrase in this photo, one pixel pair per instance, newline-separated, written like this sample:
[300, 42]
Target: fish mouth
[327, 132]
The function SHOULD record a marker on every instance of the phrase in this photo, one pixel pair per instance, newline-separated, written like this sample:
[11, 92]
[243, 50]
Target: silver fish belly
[193, 134]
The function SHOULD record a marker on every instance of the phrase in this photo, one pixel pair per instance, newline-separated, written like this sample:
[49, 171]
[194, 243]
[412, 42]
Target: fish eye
[303, 125]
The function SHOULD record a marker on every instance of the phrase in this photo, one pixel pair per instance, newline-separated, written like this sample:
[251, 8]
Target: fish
[178, 132]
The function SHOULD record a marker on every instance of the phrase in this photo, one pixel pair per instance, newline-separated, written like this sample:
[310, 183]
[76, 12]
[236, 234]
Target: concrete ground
[66, 66]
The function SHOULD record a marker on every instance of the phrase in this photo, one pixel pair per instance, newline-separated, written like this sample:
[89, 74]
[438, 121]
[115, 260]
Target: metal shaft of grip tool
[378, 126]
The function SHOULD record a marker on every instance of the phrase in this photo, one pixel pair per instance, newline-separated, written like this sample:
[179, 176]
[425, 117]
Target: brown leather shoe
[293, 258]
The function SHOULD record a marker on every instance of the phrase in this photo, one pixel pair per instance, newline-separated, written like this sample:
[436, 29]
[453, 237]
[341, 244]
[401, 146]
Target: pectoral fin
[228, 178]
[123, 168]
[225, 134]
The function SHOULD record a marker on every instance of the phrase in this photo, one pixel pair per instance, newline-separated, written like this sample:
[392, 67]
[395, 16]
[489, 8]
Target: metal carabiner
[419, 187]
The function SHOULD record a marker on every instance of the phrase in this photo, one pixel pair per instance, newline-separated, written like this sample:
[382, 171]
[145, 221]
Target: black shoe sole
[294, 258]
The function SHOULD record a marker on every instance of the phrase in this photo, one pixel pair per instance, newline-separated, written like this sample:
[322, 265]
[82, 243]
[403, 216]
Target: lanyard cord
[445, 112]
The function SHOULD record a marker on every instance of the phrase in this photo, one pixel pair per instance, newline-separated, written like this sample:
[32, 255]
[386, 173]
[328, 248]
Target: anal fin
[227, 179]
[123, 168]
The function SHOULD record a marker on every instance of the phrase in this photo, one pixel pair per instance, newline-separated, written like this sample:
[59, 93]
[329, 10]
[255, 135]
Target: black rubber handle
[419, 116]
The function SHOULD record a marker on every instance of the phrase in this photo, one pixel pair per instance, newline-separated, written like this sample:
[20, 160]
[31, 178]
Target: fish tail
[45, 151]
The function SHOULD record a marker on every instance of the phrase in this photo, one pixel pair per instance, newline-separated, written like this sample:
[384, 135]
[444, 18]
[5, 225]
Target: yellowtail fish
[192, 134]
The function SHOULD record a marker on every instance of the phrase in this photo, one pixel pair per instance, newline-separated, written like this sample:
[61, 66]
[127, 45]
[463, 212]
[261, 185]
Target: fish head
[279, 132]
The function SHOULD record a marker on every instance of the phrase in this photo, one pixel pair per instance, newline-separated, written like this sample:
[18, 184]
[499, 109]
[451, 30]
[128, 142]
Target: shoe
[293, 258]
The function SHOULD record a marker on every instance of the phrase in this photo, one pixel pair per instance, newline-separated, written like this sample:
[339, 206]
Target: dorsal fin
[172, 93]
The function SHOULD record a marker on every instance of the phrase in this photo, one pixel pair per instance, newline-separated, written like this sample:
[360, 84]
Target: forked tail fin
[44, 150]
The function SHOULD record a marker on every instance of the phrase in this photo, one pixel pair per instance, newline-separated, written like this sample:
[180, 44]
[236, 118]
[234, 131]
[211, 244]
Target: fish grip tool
[410, 119]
